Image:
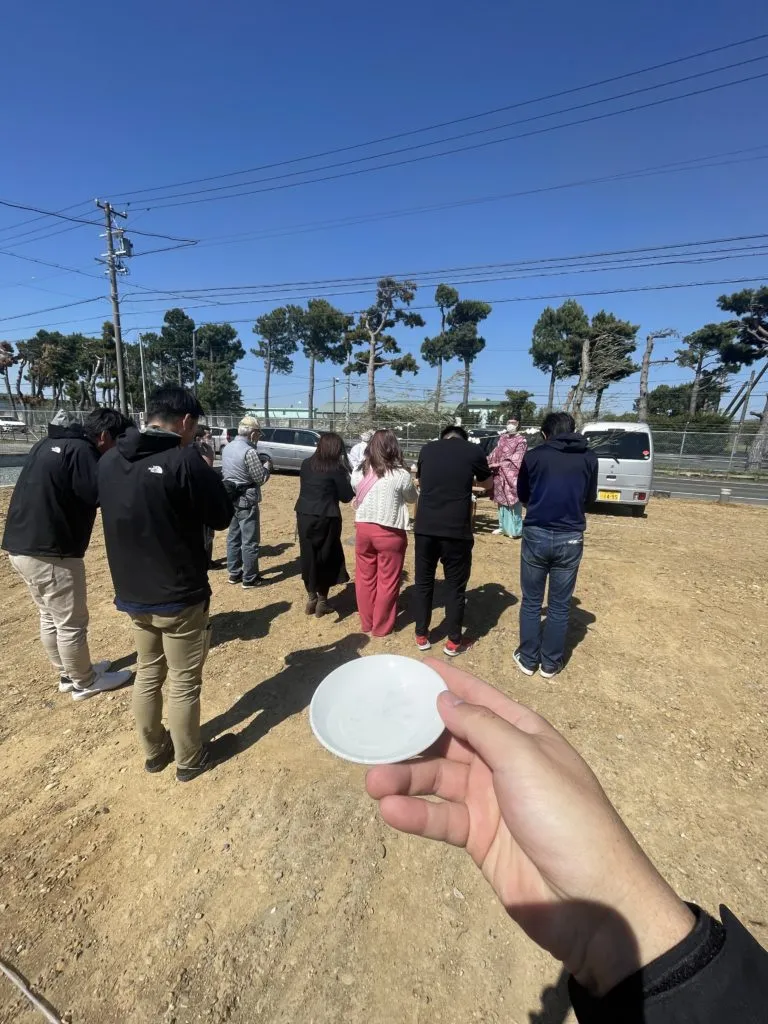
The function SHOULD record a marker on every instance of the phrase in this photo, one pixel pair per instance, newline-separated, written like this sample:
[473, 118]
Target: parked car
[221, 436]
[9, 425]
[286, 447]
[625, 454]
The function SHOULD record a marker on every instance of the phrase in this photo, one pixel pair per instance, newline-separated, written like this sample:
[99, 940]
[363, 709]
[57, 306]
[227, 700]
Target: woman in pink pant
[383, 489]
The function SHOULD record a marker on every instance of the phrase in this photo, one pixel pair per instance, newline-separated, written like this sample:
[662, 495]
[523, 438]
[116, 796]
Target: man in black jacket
[557, 480]
[49, 525]
[157, 497]
[446, 471]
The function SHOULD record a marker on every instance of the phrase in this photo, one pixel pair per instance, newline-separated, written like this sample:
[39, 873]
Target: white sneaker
[102, 682]
[66, 684]
[496, 533]
[523, 668]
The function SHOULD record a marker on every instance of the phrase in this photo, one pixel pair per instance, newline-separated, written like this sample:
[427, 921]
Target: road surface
[748, 491]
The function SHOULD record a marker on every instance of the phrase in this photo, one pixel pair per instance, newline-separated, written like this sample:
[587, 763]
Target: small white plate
[377, 710]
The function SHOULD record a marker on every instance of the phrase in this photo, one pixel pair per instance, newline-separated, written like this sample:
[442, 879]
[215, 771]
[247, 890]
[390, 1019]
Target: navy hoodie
[156, 497]
[558, 479]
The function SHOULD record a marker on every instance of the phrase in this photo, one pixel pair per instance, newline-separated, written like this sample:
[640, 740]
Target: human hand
[535, 820]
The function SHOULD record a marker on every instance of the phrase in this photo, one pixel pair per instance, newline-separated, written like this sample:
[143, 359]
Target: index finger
[474, 691]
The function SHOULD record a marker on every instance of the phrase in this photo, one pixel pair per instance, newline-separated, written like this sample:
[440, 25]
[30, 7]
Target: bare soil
[269, 890]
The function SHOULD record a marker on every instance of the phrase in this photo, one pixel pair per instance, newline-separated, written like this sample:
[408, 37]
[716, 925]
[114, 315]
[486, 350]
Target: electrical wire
[496, 301]
[92, 223]
[163, 205]
[453, 121]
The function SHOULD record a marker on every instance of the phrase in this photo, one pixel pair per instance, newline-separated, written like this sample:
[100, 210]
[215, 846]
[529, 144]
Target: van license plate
[609, 495]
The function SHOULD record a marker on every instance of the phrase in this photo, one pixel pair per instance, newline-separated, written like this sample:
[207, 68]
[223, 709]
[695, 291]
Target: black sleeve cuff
[718, 973]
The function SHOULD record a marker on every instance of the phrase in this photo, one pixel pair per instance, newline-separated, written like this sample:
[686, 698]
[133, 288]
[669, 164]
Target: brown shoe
[311, 604]
[322, 606]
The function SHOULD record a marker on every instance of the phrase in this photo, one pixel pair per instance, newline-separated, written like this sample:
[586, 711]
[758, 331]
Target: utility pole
[194, 362]
[333, 416]
[114, 265]
[143, 376]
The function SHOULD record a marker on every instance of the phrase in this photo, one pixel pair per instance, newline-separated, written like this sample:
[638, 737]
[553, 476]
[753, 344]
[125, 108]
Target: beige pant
[173, 646]
[58, 588]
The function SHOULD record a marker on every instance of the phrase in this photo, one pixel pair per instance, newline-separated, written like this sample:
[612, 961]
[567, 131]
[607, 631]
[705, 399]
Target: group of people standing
[634, 948]
[557, 480]
[161, 502]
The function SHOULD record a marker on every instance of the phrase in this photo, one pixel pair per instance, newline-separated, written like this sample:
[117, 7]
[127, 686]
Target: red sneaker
[453, 650]
[422, 642]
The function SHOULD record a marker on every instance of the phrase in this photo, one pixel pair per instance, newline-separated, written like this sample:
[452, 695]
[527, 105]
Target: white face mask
[512, 428]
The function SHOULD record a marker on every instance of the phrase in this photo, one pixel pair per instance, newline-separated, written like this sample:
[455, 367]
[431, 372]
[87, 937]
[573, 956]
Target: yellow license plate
[609, 495]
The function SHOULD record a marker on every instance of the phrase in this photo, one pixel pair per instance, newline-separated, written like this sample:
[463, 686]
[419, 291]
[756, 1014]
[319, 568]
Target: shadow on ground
[289, 691]
[252, 624]
[555, 1003]
[484, 607]
[579, 624]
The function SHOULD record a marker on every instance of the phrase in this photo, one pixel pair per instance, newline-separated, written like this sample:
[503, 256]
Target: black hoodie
[156, 498]
[54, 502]
[558, 479]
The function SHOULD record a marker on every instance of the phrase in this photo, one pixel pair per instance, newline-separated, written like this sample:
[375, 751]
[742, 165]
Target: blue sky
[188, 90]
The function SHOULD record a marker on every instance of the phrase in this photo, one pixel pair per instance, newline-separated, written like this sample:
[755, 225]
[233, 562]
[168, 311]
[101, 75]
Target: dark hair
[383, 453]
[558, 423]
[170, 402]
[330, 454]
[101, 420]
[453, 430]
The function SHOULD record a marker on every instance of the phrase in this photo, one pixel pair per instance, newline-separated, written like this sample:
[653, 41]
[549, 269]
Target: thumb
[494, 739]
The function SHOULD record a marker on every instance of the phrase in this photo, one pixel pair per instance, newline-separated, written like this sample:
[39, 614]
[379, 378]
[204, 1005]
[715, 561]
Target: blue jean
[547, 553]
[243, 544]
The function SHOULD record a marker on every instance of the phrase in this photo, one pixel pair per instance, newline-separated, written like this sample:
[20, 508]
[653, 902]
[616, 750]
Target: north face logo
[155, 469]
[55, 448]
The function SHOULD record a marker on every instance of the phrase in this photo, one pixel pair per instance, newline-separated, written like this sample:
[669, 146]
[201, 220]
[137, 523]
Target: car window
[620, 444]
[283, 436]
[266, 434]
[215, 431]
[306, 438]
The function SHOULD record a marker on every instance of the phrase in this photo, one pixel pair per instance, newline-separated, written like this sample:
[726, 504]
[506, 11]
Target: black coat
[320, 493]
[717, 975]
[53, 506]
[156, 499]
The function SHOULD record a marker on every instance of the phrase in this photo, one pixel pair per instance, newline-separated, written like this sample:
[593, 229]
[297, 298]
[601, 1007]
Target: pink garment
[379, 557]
[505, 460]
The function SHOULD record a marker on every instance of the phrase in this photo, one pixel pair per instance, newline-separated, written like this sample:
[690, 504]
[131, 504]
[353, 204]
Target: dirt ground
[269, 890]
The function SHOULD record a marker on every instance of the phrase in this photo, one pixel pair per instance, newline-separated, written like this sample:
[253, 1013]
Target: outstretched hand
[535, 820]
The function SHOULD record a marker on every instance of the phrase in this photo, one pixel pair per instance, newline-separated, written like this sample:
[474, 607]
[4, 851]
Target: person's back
[156, 498]
[47, 532]
[53, 505]
[321, 490]
[446, 471]
[557, 482]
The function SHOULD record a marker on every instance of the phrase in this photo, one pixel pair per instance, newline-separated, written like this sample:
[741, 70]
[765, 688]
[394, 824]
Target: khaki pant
[58, 588]
[173, 646]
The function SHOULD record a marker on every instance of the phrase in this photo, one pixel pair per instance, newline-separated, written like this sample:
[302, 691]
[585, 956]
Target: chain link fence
[723, 454]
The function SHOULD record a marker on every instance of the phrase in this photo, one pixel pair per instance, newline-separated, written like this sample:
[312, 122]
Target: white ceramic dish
[377, 710]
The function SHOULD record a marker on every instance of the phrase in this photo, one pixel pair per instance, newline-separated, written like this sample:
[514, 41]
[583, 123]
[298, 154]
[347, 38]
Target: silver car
[287, 447]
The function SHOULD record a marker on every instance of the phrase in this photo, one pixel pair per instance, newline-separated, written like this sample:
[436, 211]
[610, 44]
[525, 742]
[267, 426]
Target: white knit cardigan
[386, 502]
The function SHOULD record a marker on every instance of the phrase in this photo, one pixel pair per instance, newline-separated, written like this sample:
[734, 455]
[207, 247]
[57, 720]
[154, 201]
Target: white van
[625, 454]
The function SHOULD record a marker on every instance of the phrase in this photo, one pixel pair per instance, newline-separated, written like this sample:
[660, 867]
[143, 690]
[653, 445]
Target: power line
[50, 309]
[453, 121]
[675, 167]
[92, 223]
[473, 268]
[162, 205]
[495, 301]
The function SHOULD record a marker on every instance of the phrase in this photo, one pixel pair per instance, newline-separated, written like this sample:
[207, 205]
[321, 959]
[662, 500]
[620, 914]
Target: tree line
[567, 344]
